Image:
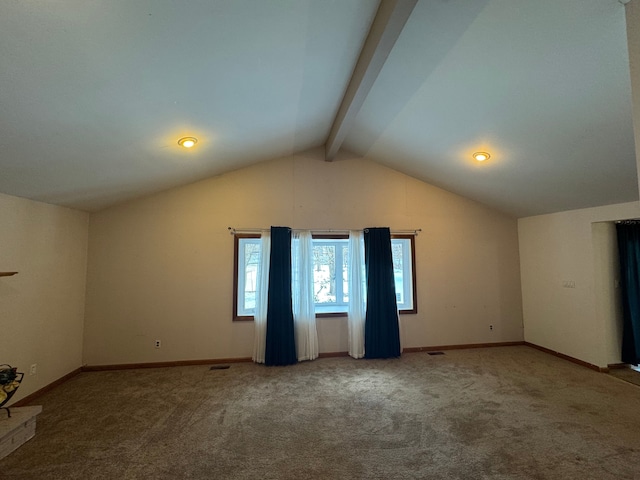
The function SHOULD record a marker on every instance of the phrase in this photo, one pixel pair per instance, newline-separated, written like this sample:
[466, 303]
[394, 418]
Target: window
[246, 259]
[403, 266]
[330, 260]
[330, 275]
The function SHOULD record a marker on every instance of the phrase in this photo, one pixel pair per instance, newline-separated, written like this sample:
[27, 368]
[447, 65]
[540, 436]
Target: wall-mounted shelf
[7, 274]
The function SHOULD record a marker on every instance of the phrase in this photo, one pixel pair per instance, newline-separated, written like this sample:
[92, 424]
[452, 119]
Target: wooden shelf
[7, 274]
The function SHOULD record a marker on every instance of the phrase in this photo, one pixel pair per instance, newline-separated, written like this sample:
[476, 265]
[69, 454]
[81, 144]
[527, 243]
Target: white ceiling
[95, 94]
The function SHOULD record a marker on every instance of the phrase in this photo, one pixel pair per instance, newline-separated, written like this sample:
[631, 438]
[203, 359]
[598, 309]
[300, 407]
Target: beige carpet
[498, 413]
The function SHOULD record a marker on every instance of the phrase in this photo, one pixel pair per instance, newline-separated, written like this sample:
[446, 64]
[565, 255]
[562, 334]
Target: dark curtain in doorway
[629, 250]
[281, 344]
[381, 329]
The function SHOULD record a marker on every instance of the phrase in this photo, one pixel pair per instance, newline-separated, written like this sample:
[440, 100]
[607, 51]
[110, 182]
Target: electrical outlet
[33, 369]
[490, 327]
[158, 343]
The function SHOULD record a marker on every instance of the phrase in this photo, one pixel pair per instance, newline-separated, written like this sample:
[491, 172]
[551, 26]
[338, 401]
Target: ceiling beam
[385, 29]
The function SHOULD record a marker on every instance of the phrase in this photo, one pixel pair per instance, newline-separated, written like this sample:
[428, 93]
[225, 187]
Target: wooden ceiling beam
[390, 19]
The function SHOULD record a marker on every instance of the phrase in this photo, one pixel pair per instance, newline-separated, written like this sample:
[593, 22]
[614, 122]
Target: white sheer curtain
[304, 315]
[262, 298]
[357, 294]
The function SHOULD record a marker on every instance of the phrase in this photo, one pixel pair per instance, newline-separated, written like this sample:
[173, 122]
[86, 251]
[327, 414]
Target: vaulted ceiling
[95, 94]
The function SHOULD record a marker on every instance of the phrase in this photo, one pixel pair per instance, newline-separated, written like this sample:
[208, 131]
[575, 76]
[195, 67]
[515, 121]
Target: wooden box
[16, 430]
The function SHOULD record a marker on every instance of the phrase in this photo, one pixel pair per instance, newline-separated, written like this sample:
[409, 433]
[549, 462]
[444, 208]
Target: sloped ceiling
[94, 96]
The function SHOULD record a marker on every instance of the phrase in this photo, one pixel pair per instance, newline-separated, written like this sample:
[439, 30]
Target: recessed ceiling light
[187, 142]
[481, 156]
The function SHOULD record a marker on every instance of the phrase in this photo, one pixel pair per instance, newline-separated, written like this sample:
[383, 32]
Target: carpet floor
[494, 413]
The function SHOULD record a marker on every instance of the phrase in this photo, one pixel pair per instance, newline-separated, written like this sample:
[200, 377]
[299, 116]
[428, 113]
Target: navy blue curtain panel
[629, 251]
[280, 347]
[381, 329]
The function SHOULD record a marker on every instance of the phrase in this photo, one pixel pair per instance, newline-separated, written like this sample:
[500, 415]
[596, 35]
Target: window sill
[249, 318]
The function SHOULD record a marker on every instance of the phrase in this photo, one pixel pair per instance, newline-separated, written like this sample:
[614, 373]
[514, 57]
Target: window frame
[330, 237]
[236, 254]
[412, 240]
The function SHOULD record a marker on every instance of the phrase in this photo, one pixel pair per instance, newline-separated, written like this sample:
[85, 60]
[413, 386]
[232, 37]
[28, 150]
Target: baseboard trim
[183, 363]
[178, 363]
[333, 354]
[617, 366]
[215, 361]
[460, 347]
[567, 357]
[32, 396]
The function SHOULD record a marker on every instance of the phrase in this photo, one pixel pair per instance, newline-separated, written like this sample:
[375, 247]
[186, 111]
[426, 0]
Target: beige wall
[41, 308]
[582, 322]
[162, 267]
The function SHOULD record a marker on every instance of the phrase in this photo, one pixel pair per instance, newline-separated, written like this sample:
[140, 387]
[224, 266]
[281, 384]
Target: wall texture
[162, 267]
[573, 246]
[42, 308]
[632, 13]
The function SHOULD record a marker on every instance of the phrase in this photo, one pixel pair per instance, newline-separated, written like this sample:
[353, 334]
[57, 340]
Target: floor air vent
[219, 367]
[435, 353]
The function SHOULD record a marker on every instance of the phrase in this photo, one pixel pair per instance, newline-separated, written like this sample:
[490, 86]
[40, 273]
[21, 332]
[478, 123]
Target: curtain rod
[234, 231]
